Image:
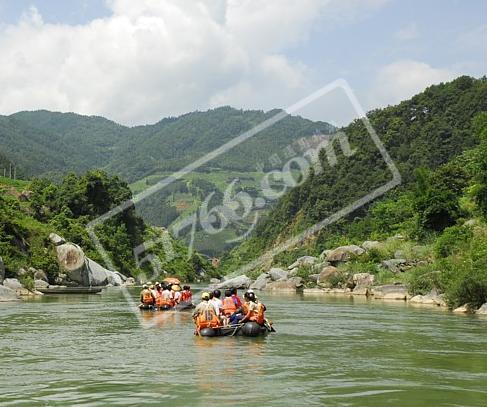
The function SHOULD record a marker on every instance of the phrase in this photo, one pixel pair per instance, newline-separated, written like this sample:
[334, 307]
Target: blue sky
[166, 59]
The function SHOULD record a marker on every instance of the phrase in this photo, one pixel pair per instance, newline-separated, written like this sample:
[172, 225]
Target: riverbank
[391, 270]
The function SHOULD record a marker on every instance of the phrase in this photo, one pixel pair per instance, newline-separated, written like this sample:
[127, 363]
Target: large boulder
[390, 292]
[326, 275]
[261, 282]
[2, 270]
[292, 285]
[276, 273]
[237, 282]
[7, 294]
[363, 279]
[129, 282]
[13, 284]
[56, 240]
[72, 262]
[303, 261]
[371, 244]
[344, 253]
[325, 253]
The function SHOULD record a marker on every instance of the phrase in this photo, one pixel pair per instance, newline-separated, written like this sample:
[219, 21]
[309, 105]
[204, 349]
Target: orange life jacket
[207, 318]
[229, 306]
[167, 302]
[186, 296]
[257, 314]
[147, 298]
[158, 298]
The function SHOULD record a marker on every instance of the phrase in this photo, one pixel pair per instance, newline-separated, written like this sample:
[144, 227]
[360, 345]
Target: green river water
[92, 351]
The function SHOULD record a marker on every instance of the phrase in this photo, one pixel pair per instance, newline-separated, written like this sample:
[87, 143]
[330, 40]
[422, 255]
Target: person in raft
[204, 315]
[186, 294]
[146, 296]
[176, 293]
[252, 309]
[229, 308]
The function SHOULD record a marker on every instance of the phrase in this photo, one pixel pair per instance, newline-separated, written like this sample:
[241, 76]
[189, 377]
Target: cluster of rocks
[77, 270]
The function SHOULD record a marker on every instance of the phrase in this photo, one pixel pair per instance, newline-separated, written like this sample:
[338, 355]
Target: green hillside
[429, 130]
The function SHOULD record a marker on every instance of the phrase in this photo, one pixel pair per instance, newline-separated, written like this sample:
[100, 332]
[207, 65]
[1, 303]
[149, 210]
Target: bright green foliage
[66, 209]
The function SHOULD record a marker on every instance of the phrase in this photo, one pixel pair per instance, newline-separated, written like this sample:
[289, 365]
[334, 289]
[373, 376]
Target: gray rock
[7, 294]
[261, 282]
[303, 261]
[324, 254]
[326, 275]
[361, 290]
[292, 285]
[394, 265]
[214, 280]
[130, 281]
[371, 244]
[317, 267]
[40, 284]
[12, 283]
[482, 310]
[428, 299]
[97, 274]
[363, 279]
[314, 291]
[2, 270]
[344, 253]
[390, 292]
[276, 273]
[293, 272]
[40, 275]
[113, 278]
[237, 282]
[56, 240]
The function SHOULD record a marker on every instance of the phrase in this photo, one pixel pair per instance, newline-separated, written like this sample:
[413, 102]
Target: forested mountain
[49, 143]
[428, 130]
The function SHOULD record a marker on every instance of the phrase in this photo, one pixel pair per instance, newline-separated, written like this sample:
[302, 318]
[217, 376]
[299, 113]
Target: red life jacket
[186, 296]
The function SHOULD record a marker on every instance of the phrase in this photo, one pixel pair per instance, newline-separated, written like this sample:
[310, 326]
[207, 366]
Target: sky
[136, 62]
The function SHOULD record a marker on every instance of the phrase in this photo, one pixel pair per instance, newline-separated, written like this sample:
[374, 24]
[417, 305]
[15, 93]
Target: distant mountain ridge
[45, 143]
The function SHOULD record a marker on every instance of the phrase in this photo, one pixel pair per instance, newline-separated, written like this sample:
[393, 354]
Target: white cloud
[151, 59]
[402, 79]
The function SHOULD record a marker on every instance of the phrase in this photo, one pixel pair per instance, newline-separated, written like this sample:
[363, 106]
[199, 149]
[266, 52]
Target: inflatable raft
[183, 306]
[251, 329]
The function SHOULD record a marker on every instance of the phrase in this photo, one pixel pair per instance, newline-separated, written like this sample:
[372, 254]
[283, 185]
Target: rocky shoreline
[325, 273]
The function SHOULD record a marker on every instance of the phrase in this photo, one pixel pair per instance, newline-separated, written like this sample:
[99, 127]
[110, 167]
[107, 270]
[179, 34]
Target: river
[92, 351]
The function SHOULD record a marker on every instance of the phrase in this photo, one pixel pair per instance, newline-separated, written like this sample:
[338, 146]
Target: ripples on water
[91, 351]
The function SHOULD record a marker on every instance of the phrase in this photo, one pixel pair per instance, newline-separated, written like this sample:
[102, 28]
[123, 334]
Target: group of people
[214, 312]
[164, 296]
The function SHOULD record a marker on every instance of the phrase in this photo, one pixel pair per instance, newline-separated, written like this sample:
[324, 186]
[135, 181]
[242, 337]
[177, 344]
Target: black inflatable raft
[251, 329]
[183, 306]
